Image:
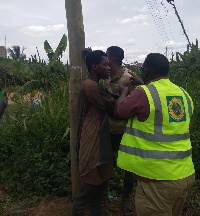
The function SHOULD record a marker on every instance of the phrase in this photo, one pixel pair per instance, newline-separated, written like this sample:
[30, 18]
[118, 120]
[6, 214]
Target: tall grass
[186, 74]
[34, 146]
[34, 141]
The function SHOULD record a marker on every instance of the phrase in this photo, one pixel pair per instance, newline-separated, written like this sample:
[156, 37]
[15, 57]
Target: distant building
[3, 52]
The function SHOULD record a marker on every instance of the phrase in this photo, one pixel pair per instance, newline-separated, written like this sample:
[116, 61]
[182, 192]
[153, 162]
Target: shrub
[185, 72]
[34, 146]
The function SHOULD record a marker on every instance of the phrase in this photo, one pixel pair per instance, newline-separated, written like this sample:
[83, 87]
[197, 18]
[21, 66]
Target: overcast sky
[138, 26]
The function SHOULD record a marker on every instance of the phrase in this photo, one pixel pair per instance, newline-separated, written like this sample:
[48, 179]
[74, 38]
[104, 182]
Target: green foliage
[134, 68]
[185, 72]
[115, 183]
[34, 146]
[14, 71]
[34, 143]
[16, 68]
[39, 74]
[16, 53]
[19, 70]
[48, 49]
[55, 70]
[59, 50]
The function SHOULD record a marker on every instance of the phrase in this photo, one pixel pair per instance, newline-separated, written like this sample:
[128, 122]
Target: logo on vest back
[176, 109]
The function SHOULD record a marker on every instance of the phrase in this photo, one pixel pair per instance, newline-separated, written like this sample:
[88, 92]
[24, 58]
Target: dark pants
[2, 107]
[89, 197]
[129, 180]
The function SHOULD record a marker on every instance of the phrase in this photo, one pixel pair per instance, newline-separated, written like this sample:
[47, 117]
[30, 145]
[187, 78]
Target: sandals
[127, 207]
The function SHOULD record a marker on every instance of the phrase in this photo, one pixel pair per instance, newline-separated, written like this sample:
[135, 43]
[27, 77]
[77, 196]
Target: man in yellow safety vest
[156, 145]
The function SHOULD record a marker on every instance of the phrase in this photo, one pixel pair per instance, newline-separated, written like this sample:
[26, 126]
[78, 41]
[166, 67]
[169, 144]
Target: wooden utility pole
[76, 37]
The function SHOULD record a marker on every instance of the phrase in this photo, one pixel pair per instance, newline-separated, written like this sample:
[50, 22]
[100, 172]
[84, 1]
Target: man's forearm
[121, 98]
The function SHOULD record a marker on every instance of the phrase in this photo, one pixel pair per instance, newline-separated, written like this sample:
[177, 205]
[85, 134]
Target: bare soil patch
[62, 206]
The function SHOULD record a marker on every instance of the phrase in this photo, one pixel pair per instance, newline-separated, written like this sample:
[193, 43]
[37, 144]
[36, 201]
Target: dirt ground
[50, 207]
[62, 206]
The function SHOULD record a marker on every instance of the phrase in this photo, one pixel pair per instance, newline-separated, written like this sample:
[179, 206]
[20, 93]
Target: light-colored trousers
[163, 198]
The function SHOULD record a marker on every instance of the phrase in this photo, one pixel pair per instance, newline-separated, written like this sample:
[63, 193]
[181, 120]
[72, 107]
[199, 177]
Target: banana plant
[38, 74]
[54, 56]
[49, 74]
[56, 69]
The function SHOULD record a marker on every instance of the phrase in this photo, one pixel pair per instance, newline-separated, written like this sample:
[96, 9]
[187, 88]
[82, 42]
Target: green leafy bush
[185, 72]
[34, 141]
[34, 146]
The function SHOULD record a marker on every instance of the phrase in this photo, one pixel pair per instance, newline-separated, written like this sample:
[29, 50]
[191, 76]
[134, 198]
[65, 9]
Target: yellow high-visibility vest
[160, 147]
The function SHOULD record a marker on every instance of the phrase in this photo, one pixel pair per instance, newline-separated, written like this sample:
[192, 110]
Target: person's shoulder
[90, 85]
[90, 82]
[139, 90]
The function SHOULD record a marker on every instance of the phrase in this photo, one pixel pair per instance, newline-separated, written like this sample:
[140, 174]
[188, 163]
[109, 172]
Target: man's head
[155, 65]
[97, 62]
[115, 55]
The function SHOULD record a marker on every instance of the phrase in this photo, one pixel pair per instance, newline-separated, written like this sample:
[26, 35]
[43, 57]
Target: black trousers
[128, 180]
[90, 197]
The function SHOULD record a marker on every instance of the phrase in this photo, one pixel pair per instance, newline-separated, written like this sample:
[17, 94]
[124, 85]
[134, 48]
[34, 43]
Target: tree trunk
[76, 37]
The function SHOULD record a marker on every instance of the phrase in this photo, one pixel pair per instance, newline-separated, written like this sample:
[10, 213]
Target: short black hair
[94, 57]
[156, 64]
[117, 53]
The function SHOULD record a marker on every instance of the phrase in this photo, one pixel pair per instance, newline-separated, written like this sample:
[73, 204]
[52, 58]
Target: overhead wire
[159, 14]
[156, 19]
[169, 25]
[151, 10]
[167, 18]
[160, 18]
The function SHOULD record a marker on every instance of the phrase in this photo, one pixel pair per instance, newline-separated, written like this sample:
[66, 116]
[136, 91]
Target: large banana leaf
[61, 47]
[53, 56]
[48, 49]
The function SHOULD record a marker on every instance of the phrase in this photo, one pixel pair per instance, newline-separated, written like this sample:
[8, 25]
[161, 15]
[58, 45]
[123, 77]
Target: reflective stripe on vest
[158, 135]
[156, 154]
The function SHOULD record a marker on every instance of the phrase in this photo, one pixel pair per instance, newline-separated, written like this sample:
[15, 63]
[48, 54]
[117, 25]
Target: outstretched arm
[135, 80]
